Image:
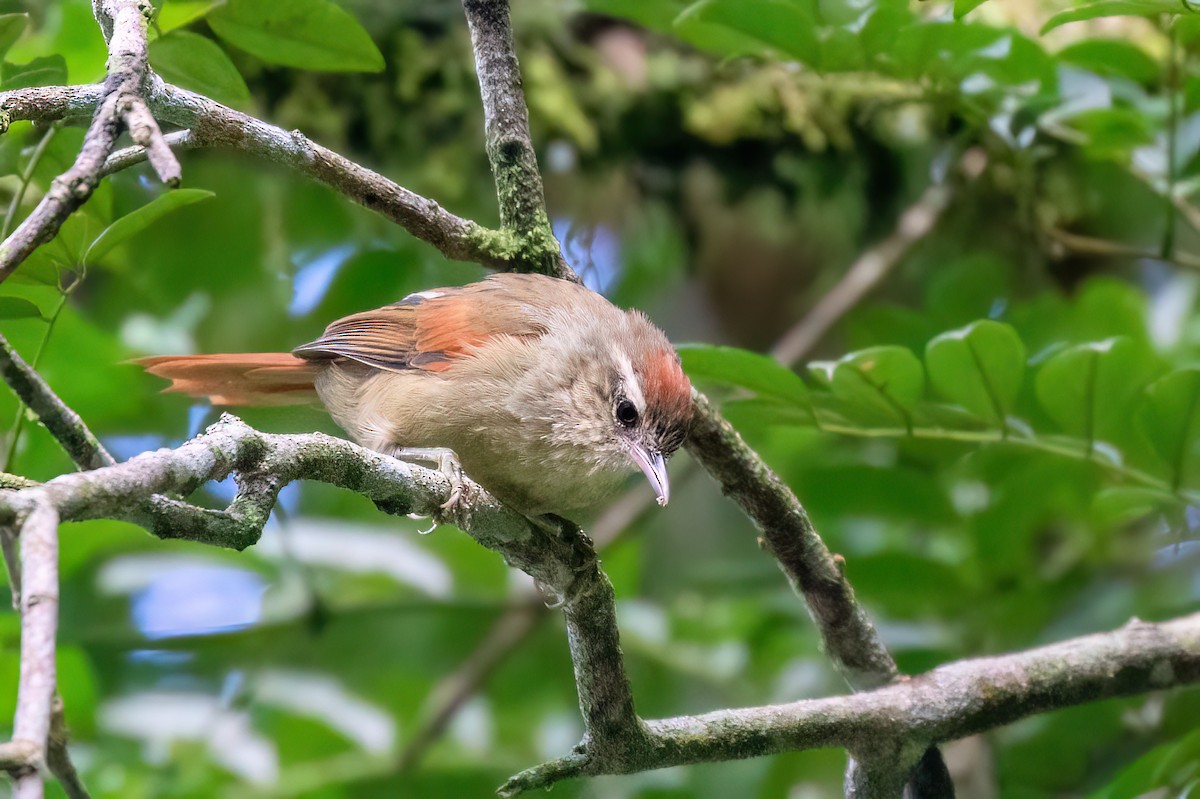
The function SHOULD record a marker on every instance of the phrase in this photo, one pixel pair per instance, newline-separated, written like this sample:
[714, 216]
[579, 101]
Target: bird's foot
[448, 464]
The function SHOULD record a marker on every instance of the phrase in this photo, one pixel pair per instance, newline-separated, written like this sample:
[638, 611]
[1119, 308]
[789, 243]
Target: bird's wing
[430, 329]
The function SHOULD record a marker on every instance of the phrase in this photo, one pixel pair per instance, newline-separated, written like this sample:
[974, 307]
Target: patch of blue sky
[315, 275]
[594, 252]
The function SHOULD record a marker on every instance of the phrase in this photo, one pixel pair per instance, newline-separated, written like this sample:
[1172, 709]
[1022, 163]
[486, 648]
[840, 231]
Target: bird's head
[632, 399]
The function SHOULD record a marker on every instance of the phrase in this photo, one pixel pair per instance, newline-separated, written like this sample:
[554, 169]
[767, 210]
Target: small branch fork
[120, 105]
[960, 699]
[889, 728]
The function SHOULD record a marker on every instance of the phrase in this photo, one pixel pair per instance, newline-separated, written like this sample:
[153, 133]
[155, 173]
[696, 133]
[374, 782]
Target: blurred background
[721, 165]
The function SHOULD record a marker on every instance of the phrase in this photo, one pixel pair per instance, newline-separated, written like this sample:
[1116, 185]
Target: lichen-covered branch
[119, 104]
[512, 628]
[264, 464]
[210, 124]
[950, 702]
[850, 639]
[508, 143]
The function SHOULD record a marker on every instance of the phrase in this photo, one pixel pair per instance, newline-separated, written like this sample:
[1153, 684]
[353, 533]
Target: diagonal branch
[63, 423]
[960, 699]
[508, 632]
[851, 642]
[119, 104]
[876, 263]
[210, 124]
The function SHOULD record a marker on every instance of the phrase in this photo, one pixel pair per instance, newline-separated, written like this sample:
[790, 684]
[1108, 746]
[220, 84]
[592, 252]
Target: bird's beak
[654, 466]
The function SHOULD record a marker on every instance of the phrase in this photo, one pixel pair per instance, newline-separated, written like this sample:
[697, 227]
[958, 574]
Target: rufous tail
[249, 378]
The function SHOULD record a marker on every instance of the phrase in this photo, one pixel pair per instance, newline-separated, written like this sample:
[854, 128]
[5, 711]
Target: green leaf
[884, 383]
[177, 13]
[18, 308]
[135, 222]
[979, 366]
[1111, 57]
[11, 28]
[886, 580]
[788, 26]
[964, 7]
[308, 34]
[1164, 770]
[1088, 390]
[1113, 8]
[1121, 505]
[1112, 131]
[1169, 417]
[198, 63]
[39, 269]
[48, 71]
[653, 15]
[758, 373]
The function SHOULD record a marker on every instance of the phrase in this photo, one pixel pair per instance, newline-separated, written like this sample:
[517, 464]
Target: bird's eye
[627, 412]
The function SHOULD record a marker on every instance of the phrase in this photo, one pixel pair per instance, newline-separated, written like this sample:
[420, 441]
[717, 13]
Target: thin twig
[120, 104]
[132, 156]
[10, 454]
[58, 758]
[12, 562]
[1167, 248]
[876, 263]
[453, 691]
[10, 216]
[1090, 245]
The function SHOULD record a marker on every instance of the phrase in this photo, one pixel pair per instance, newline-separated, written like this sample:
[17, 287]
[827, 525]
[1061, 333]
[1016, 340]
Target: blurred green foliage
[1002, 440]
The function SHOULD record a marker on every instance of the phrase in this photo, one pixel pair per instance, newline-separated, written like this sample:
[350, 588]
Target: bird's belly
[506, 455]
[538, 485]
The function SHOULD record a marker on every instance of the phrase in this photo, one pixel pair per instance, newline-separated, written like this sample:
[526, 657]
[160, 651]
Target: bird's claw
[448, 464]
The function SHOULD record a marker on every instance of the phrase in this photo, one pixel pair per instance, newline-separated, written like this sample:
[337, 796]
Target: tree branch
[63, 423]
[1089, 245]
[210, 124]
[513, 627]
[960, 699]
[39, 626]
[872, 266]
[850, 640]
[617, 741]
[119, 103]
[508, 143]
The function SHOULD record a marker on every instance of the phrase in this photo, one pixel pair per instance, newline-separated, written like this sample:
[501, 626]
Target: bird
[539, 389]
